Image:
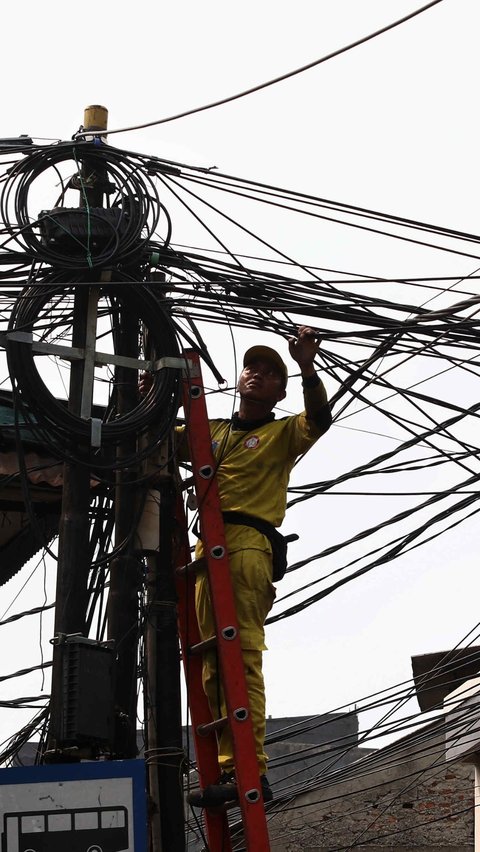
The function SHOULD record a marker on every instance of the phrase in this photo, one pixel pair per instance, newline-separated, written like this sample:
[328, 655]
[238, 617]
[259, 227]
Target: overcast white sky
[391, 126]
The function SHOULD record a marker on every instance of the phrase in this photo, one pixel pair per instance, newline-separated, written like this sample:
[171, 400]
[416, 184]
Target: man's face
[261, 381]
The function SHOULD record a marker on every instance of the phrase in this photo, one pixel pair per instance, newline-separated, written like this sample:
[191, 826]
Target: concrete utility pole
[73, 550]
[164, 753]
[125, 570]
[93, 661]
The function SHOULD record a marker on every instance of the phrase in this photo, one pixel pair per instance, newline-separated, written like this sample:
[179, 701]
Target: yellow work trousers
[251, 572]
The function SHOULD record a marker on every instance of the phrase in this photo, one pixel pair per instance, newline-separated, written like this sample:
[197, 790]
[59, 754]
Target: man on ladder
[255, 454]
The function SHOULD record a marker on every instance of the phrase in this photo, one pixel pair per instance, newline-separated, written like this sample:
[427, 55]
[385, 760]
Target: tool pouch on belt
[277, 541]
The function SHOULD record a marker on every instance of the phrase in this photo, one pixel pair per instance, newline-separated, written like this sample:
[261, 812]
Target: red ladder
[227, 639]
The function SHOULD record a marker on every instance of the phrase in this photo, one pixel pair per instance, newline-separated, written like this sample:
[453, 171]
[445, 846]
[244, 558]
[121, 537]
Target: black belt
[278, 541]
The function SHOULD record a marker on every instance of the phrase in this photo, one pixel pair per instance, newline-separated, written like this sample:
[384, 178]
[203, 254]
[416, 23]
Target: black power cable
[83, 237]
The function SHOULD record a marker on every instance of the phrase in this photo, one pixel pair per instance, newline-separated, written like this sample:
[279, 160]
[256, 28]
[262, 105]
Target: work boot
[215, 795]
[267, 791]
[225, 792]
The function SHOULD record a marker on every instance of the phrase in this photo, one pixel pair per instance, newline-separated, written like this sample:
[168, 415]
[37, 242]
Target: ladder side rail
[224, 610]
[216, 822]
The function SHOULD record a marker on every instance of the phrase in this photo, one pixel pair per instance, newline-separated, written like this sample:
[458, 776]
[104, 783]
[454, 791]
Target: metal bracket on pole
[172, 363]
[96, 432]
[76, 353]
[80, 639]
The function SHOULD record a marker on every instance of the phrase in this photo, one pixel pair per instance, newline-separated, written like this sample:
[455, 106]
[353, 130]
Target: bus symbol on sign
[80, 830]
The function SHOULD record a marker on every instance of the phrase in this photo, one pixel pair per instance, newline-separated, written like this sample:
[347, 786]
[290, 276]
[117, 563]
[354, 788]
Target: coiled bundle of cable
[51, 419]
[84, 237]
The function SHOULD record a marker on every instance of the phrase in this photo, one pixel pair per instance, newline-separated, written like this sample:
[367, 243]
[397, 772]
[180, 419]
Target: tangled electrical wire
[369, 341]
[400, 354]
[37, 311]
[81, 238]
[107, 251]
[329, 774]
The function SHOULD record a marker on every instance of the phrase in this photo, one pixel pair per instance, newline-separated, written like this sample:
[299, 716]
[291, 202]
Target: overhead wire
[380, 758]
[259, 87]
[228, 292]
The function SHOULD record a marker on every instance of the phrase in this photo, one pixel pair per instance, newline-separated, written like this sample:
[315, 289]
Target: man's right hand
[145, 381]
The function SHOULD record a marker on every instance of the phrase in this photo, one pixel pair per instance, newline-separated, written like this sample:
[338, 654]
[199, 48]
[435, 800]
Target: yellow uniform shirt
[254, 467]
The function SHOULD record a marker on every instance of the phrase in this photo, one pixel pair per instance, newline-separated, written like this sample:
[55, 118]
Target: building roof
[436, 675]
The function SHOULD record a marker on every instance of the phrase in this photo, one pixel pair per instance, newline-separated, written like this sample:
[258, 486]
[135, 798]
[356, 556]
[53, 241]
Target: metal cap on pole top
[95, 117]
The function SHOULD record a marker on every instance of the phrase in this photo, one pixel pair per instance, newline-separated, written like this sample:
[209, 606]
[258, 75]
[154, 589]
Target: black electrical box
[87, 686]
[71, 229]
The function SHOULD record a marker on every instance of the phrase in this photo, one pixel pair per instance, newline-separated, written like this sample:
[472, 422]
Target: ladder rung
[206, 645]
[190, 567]
[226, 806]
[209, 727]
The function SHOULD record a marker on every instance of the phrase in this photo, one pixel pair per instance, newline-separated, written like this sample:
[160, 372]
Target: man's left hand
[304, 347]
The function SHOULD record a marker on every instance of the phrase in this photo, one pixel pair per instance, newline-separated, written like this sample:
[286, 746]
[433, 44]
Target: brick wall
[403, 797]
